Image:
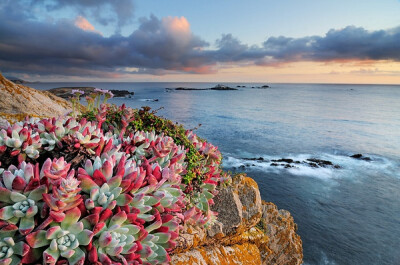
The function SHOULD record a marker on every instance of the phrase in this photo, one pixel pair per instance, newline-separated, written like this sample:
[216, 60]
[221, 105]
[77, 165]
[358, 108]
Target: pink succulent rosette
[74, 191]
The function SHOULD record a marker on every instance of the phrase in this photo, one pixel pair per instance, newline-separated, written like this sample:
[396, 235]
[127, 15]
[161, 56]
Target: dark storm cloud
[160, 46]
[350, 43]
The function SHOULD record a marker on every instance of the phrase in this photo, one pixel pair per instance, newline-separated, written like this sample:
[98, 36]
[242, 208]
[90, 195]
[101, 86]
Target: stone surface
[229, 209]
[18, 101]
[250, 198]
[285, 246]
[248, 231]
[246, 254]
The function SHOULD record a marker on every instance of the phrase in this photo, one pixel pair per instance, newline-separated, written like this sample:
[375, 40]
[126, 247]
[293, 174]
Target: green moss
[146, 120]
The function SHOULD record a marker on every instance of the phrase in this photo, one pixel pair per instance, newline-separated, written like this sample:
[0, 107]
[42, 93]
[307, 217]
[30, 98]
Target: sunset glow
[153, 42]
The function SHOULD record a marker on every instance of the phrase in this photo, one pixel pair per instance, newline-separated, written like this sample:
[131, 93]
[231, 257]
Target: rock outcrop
[65, 92]
[18, 101]
[248, 231]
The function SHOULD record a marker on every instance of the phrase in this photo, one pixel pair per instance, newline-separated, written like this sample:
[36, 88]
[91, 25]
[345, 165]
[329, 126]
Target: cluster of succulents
[92, 189]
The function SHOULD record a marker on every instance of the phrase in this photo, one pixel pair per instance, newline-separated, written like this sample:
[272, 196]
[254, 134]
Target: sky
[287, 41]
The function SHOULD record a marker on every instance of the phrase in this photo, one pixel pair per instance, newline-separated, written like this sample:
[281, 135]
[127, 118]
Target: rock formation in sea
[247, 230]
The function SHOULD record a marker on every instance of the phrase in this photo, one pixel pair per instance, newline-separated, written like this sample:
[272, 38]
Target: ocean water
[346, 215]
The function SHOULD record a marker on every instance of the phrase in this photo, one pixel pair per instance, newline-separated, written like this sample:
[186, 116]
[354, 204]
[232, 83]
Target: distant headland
[65, 92]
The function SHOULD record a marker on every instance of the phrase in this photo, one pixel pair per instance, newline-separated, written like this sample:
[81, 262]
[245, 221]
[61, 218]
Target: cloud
[350, 43]
[85, 25]
[163, 45]
[104, 11]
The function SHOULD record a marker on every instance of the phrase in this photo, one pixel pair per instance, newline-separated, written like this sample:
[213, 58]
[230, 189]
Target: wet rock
[314, 165]
[286, 160]
[361, 157]
[255, 159]
[265, 86]
[274, 164]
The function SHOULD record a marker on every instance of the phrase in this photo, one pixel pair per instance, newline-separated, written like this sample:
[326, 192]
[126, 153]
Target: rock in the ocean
[361, 157]
[222, 87]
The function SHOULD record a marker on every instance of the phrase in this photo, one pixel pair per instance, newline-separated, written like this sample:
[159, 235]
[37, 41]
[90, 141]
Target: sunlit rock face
[18, 101]
[248, 231]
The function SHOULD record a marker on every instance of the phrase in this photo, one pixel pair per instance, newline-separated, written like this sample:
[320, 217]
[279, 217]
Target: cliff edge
[247, 231]
[18, 101]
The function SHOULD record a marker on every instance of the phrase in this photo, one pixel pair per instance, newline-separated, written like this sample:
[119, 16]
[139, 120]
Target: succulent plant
[21, 208]
[11, 252]
[116, 241]
[55, 170]
[21, 140]
[66, 195]
[102, 188]
[126, 184]
[63, 239]
[18, 178]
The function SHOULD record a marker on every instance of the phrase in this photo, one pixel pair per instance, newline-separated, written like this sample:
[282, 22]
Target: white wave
[349, 167]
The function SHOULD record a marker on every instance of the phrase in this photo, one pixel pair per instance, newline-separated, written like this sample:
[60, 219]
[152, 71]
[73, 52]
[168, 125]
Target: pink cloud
[85, 25]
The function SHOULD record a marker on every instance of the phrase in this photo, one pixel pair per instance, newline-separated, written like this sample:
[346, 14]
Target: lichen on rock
[18, 101]
[268, 234]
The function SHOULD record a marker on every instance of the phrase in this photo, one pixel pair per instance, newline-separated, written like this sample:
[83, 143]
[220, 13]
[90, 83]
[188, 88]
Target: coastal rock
[280, 228]
[217, 87]
[65, 92]
[248, 231]
[18, 101]
[265, 86]
[229, 209]
[190, 88]
[222, 87]
[290, 163]
[361, 157]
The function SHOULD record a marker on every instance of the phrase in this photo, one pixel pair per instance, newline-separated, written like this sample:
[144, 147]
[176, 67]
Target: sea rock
[217, 87]
[290, 163]
[222, 87]
[361, 157]
[190, 88]
[265, 86]
[18, 101]
[248, 231]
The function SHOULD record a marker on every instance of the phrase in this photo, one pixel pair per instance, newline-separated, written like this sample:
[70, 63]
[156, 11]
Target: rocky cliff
[17, 101]
[248, 231]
